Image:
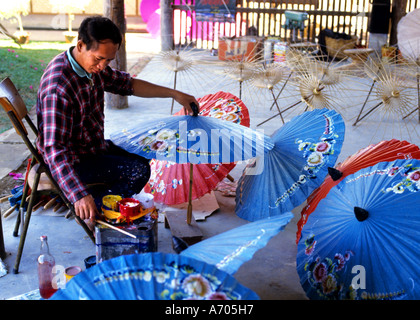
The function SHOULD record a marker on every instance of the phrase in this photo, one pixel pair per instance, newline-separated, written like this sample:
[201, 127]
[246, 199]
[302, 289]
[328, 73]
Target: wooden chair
[12, 103]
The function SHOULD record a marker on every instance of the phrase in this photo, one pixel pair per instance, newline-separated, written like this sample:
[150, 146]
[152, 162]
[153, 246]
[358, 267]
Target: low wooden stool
[177, 221]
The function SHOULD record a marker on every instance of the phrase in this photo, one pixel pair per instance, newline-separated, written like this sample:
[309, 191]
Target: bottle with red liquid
[46, 264]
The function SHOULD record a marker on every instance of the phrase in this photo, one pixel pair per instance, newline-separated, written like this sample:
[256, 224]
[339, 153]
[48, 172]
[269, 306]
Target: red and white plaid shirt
[70, 114]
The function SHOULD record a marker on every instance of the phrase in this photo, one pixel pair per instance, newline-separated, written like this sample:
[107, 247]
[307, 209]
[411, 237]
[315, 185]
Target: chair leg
[21, 214]
[84, 226]
[26, 223]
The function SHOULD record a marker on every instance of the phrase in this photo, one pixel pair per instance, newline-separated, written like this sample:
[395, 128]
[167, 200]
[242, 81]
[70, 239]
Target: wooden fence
[267, 17]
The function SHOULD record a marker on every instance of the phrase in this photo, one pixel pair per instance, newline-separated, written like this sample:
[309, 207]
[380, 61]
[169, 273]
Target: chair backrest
[11, 101]
[15, 108]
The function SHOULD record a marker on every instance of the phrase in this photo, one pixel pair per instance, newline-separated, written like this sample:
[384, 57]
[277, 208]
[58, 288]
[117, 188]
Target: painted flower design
[217, 114]
[315, 158]
[166, 135]
[415, 176]
[176, 182]
[323, 147]
[410, 180]
[146, 140]
[161, 276]
[341, 261]
[329, 284]
[324, 273]
[196, 285]
[174, 281]
[319, 272]
[232, 117]
[158, 145]
[218, 296]
[310, 245]
[161, 187]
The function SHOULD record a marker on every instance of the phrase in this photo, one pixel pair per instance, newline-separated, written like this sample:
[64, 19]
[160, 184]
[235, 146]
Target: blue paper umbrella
[193, 139]
[230, 249]
[363, 239]
[153, 276]
[285, 176]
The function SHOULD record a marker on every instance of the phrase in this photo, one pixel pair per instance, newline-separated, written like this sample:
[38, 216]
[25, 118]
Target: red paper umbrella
[383, 151]
[225, 106]
[169, 182]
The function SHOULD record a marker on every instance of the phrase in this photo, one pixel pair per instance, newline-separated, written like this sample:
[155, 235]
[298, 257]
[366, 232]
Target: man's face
[98, 57]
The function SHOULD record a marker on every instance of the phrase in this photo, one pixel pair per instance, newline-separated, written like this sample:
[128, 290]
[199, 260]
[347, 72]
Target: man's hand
[86, 208]
[185, 100]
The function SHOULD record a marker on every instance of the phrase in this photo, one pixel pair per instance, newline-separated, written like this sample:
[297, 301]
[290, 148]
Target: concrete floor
[271, 273]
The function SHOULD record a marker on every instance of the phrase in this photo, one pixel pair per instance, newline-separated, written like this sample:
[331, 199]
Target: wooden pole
[398, 11]
[114, 10]
[166, 25]
[189, 209]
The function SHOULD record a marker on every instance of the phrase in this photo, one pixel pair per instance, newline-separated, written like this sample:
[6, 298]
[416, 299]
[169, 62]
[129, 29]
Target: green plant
[25, 66]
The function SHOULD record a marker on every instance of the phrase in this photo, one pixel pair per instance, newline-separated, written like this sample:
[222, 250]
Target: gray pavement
[271, 273]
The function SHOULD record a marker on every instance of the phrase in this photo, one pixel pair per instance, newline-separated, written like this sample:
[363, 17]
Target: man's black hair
[95, 29]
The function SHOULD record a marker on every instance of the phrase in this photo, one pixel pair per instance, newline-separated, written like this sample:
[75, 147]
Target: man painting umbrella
[70, 112]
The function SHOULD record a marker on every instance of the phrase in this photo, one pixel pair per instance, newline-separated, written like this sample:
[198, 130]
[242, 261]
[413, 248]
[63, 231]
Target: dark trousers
[116, 172]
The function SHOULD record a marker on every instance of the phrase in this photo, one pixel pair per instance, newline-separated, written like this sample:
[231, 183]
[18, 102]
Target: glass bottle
[46, 264]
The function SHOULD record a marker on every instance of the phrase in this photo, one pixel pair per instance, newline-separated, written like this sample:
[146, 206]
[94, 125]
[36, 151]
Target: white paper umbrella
[408, 35]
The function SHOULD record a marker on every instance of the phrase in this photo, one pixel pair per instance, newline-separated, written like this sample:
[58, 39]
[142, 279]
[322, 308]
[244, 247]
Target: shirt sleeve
[58, 121]
[117, 82]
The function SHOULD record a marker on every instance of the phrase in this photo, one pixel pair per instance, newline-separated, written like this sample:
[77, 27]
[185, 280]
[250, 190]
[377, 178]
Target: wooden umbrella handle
[189, 209]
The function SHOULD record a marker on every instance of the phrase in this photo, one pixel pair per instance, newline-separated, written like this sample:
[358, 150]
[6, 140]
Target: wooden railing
[267, 17]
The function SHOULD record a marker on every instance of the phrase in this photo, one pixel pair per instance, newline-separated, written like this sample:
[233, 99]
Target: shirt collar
[76, 67]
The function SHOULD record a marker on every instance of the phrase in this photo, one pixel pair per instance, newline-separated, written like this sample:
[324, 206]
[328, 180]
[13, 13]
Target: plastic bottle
[46, 264]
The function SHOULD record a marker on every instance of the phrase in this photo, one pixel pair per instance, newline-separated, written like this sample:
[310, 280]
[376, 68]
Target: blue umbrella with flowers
[193, 139]
[363, 238]
[286, 175]
[202, 271]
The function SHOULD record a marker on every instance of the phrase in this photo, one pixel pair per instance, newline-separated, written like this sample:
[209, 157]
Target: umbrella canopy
[230, 249]
[153, 276]
[408, 33]
[304, 149]
[383, 151]
[168, 181]
[224, 106]
[363, 239]
[193, 139]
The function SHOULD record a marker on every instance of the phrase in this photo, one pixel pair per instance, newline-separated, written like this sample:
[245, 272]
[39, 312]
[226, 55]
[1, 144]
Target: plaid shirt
[70, 114]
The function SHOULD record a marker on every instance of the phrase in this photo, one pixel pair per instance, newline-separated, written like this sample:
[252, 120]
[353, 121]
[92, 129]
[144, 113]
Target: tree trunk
[166, 25]
[114, 10]
[398, 11]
